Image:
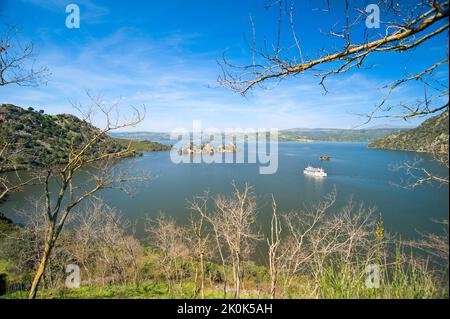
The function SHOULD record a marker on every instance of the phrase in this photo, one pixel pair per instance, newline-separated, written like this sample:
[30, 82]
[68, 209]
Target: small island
[207, 148]
[325, 158]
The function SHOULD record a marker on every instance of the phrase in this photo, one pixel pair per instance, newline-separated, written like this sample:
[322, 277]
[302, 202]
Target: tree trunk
[41, 269]
[273, 284]
[202, 269]
[225, 283]
[238, 278]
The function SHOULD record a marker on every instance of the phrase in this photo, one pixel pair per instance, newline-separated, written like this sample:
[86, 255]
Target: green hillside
[334, 135]
[36, 139]
[431, 136]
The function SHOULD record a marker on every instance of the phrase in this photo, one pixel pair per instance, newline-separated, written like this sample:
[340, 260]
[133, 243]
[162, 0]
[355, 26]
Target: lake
[354, 170]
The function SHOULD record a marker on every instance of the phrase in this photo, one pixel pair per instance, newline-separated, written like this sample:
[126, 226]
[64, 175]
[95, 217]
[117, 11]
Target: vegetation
[431, 136]
[35, 139]
[294, 135]
[317, 252]
[144, 146]
[82, 147]
[6, 225]
[143, 291]
[334, 135]
[142, 136]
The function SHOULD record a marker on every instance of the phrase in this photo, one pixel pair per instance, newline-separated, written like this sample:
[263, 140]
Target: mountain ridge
[286, 135]
[429, 137]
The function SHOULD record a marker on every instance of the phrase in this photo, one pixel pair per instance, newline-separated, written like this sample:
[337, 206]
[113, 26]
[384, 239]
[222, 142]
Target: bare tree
[274, 242]
[435, 245]
[170, 241]
[17, 63]
[234, 220]
[300, 225]
[408, 22]
[14, 181]
[16, 67]
[104, 243]
[201, 238]
[200, 205]
[69, 195]
[418, 175]
[318, 240]
[25, 246]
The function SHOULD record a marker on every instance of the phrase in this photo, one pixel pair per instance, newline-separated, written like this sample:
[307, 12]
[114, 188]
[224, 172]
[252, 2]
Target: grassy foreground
[146, 291]
[333, 285]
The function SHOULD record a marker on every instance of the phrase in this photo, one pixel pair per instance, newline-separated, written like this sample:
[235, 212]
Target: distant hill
[430, 136]
[39, 140]
[335, 135]
[389, 126]
[295, 135]
[142, 136]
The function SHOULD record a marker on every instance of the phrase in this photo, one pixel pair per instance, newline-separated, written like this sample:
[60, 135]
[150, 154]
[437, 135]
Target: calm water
[355, 170]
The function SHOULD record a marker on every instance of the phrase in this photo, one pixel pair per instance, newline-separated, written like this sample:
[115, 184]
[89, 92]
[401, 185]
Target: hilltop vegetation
[431, 136]
[334, 135]
[36, 139]
[144, 145]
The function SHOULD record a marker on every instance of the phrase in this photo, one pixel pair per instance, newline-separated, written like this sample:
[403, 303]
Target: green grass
[333, 284]
[402, 284]
[146, 291]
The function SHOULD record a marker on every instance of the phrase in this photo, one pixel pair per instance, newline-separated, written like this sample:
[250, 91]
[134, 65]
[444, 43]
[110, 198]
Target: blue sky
[164, 54]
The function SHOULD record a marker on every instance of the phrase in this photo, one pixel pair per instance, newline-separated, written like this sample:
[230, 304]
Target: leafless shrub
[25, 246]
[318, 238]
[234, 221]
[418, 175]
[104, 244]
[199, 240]
[170, 241]
[435, 245]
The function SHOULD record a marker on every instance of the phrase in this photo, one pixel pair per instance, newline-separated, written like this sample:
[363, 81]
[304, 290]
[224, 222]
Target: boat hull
[315, 174]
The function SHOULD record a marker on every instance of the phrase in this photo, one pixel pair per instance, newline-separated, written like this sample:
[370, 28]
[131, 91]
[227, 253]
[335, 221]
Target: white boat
[313, 171]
